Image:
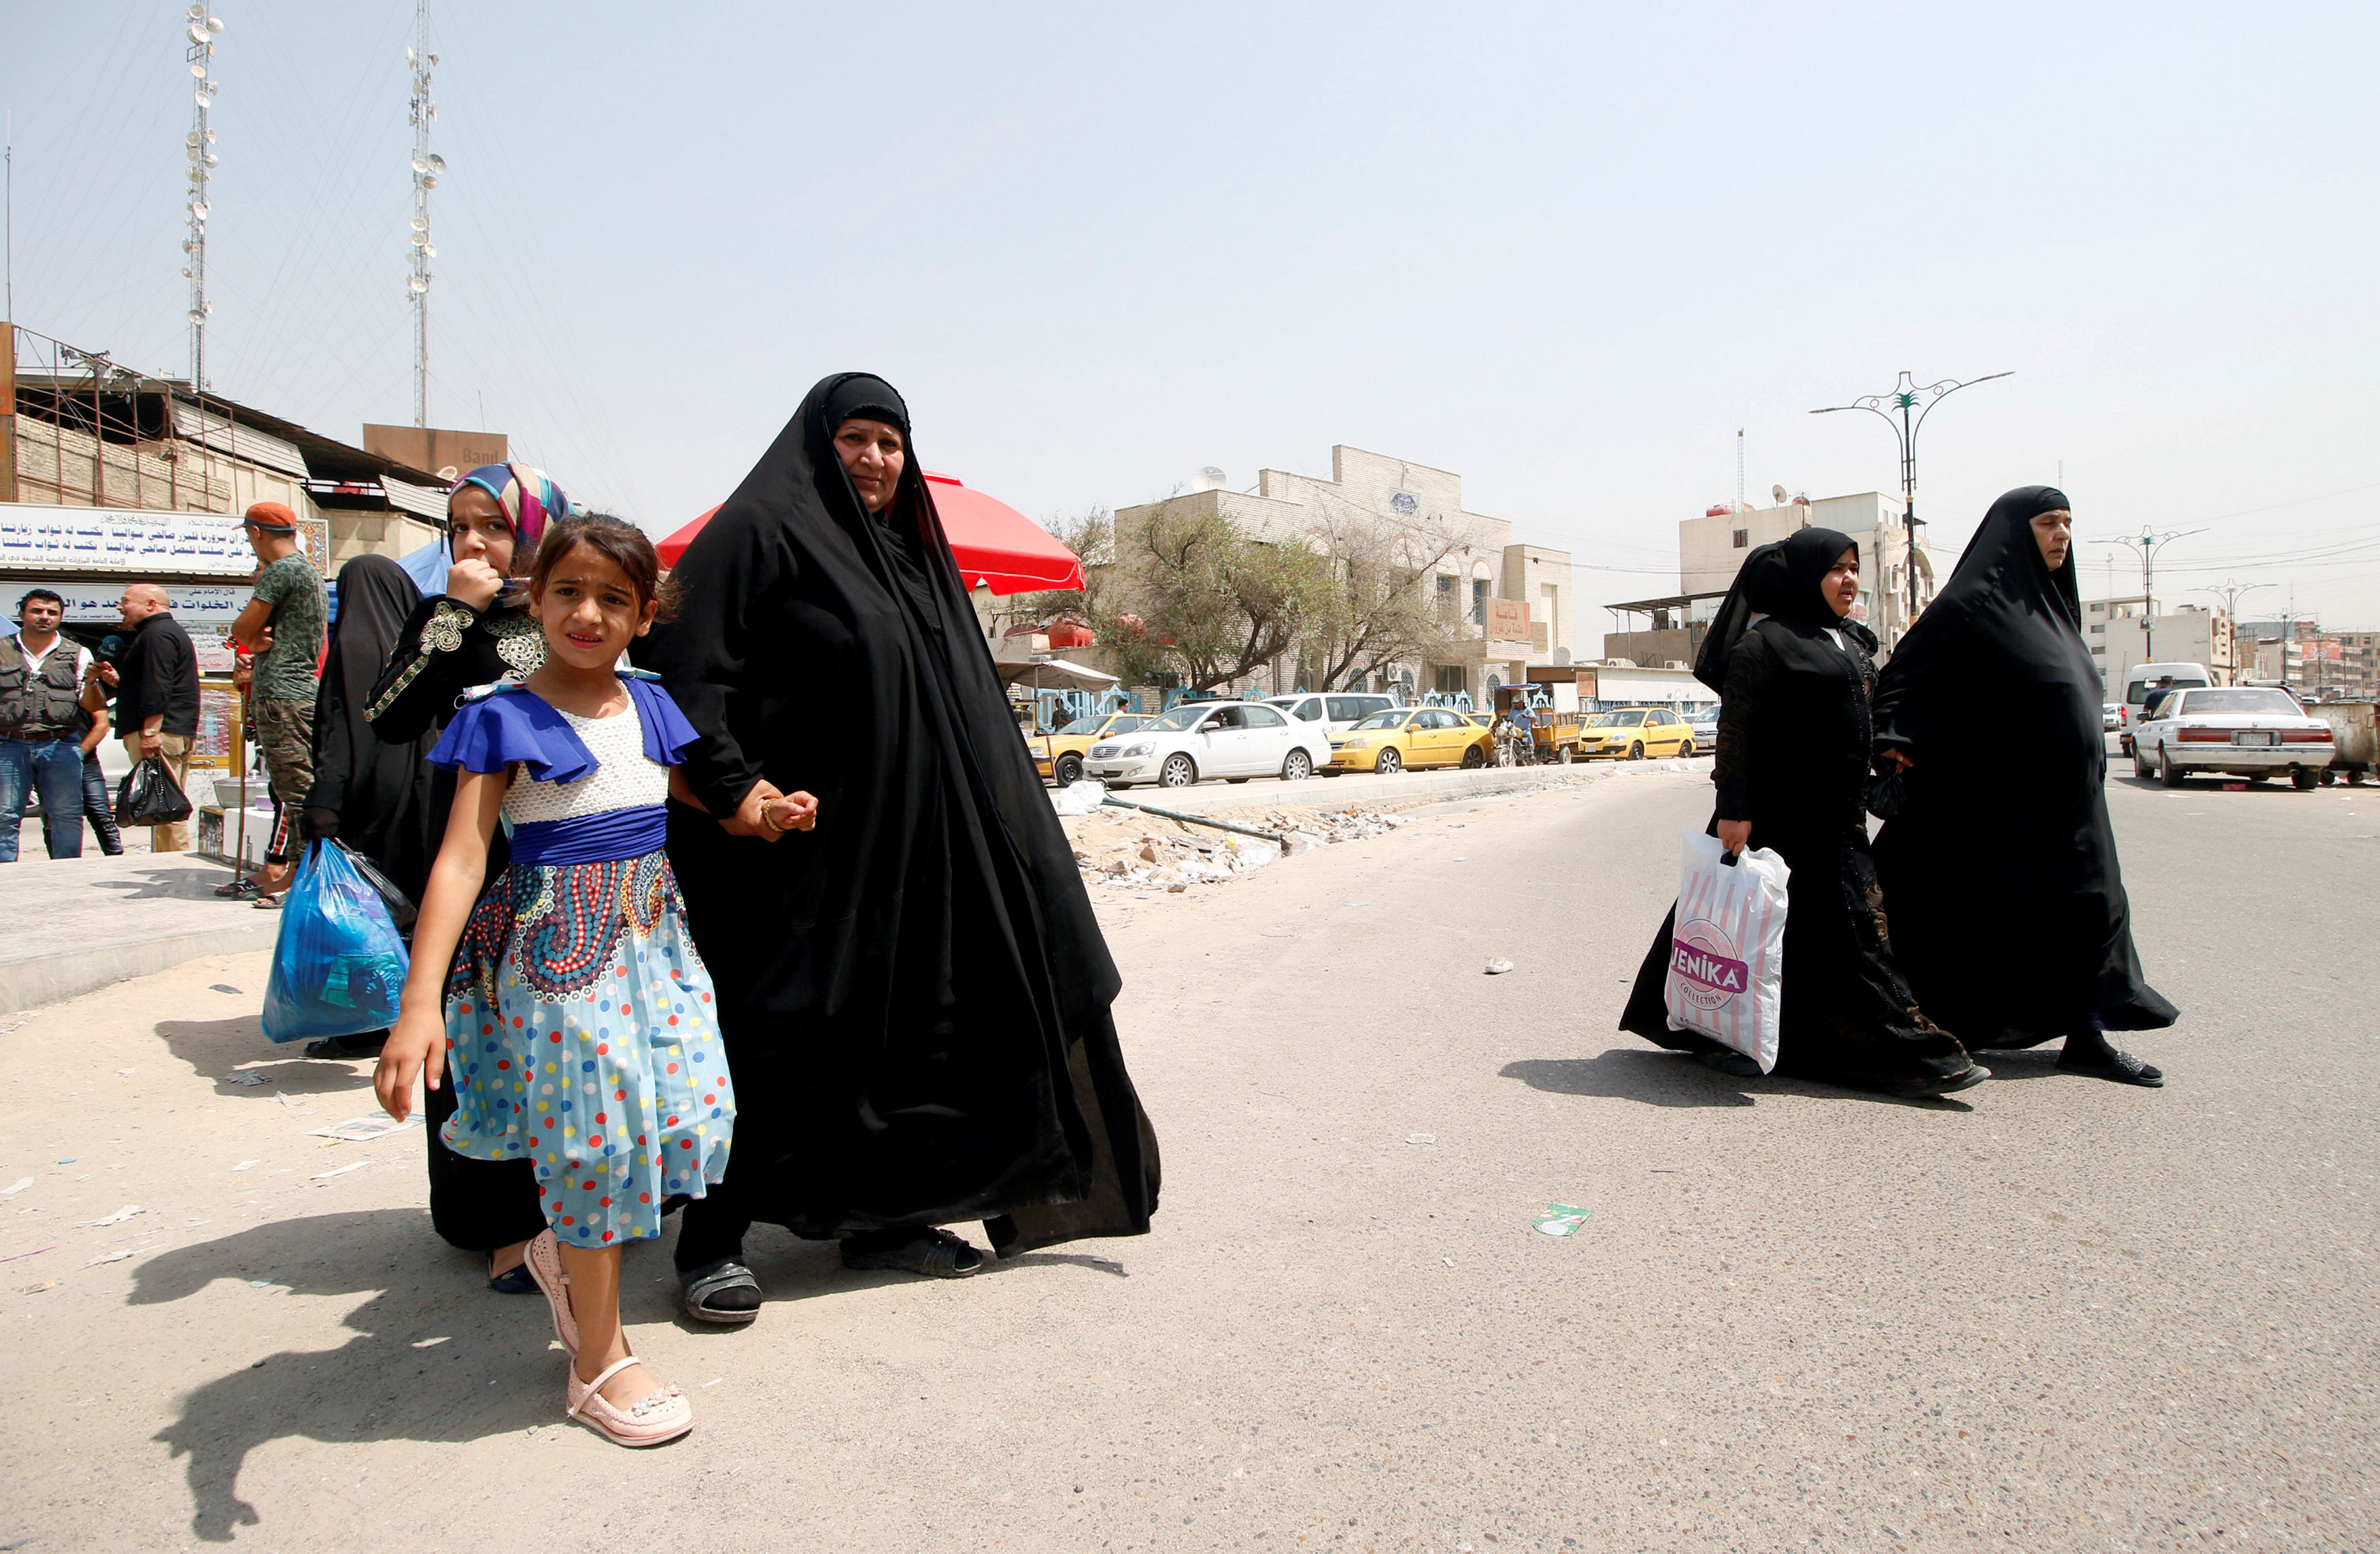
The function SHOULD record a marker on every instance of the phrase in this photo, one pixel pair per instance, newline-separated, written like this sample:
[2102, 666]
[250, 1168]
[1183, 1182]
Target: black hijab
[915, 995]
[1780, 579]
[380, 790]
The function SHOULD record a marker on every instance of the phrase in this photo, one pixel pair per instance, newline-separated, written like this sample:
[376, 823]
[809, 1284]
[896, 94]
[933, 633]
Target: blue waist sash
[617, 834]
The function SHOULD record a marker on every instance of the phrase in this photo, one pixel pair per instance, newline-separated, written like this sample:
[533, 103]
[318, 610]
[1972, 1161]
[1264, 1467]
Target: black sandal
[932, 1252]
[1732, 1064]
[514, 1281]
[2124, 1069]
[723, 1293]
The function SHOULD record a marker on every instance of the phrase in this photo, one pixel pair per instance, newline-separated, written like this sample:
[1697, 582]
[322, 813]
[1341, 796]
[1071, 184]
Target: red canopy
[994, 543]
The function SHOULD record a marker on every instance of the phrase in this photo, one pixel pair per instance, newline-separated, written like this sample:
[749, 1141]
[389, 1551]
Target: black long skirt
[1849, 1016]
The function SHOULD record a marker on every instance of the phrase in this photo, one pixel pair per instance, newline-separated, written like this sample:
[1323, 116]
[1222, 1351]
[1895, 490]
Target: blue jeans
[53, 767]
[99, 806]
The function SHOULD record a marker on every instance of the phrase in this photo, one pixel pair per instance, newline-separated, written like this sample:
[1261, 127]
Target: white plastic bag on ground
[1727, 956]
[1079, 798]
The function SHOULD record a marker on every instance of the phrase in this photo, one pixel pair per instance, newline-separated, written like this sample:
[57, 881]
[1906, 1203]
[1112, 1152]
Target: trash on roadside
[34, 1252]
[221, 988]
[1421, 1138]
[115, 1256]
[126, 1071]
[13, 1188]
[126, 1212]
[1561, 1218]
[340, 1171]
[264, 1283]
[356, 1130]
[37, 1288]
[244, 1165]
[283, 1096]
[65, 1160]
[249, 1079]
[1498, 966]
[1084, 797]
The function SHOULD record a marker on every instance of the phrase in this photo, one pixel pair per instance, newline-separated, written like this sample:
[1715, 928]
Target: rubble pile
[1118, 847]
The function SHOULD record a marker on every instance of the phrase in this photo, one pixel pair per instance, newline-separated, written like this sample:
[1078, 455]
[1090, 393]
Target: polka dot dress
[582, 1035]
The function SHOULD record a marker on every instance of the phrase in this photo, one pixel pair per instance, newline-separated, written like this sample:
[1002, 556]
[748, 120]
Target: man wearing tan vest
[40, 727]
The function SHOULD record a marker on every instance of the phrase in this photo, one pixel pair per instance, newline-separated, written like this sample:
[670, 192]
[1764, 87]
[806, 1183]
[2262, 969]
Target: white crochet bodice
[623, 779]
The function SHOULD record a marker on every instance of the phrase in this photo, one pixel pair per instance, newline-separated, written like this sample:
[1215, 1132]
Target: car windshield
[2138, 691]
[2233, 700]
[1384, 720]
[1615, 720]
[1081, 725]
[1180, 720]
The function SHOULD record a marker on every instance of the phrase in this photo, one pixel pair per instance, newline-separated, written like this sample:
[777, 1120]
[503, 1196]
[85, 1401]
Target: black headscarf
[1780, 579]
[2007, 903]
[915, 996]
[380, 791]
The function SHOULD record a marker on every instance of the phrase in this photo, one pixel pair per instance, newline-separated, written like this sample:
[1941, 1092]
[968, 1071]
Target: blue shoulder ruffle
[512, 725]
[667, 734]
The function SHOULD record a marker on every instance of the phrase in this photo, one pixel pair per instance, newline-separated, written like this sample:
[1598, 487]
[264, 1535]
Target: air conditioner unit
[1677, 664]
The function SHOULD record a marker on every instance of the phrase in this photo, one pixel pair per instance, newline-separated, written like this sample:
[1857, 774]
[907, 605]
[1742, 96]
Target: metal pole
[1274, 837]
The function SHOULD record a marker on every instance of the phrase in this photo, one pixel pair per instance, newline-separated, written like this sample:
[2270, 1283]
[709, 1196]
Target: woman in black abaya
[1794, 675]
[915, 995]
[1999, 869]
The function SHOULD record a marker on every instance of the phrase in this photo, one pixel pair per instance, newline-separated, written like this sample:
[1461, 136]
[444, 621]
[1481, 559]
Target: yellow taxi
[1059, 754]
[1404, 737]
[1635, 733]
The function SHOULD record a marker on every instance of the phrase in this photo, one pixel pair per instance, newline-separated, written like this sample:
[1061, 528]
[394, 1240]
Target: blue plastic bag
[338, 965]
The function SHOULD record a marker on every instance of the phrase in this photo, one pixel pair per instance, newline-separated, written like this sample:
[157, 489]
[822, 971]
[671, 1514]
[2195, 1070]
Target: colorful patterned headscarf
[527, 497]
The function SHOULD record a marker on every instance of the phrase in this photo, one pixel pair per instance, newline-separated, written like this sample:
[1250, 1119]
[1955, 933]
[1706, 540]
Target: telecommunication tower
[427, 166]
[200, 29]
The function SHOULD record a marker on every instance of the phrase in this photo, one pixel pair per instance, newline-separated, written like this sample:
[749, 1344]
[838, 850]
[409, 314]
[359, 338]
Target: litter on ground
[1561, 1218]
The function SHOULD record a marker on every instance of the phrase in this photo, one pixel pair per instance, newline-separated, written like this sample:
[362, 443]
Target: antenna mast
[427, 166]
[199, 146]
[1739, 470]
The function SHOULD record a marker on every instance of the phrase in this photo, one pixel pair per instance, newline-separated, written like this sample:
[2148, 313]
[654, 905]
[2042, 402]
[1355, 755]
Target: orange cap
[274, 517]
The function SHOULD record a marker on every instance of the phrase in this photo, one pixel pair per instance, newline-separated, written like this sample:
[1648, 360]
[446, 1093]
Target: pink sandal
[666, 1415]
[543, 1257]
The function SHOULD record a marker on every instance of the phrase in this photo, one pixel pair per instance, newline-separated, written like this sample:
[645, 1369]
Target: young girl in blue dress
[569, 1005]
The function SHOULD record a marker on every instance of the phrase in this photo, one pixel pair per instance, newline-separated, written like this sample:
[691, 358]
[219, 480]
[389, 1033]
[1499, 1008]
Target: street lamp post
[1912, 405]
[2230, 593]
[2146, 545]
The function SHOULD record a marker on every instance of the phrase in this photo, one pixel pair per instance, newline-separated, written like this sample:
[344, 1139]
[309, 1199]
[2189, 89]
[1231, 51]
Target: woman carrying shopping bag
[1794, 675]
[2038, 945]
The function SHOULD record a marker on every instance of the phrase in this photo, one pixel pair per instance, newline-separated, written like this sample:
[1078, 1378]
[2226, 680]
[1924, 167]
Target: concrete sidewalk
[77, 924]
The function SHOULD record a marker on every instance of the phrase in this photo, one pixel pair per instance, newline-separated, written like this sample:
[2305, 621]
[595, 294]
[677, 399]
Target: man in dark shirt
[157, 695]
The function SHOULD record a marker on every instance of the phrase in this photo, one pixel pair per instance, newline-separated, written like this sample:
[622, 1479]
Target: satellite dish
[210, 159]
[195, 12]
[198, 32]
[1209, 478]
[420, 223]
[1778, 493]
[214, 24]
[1561, 655]
[437, 162]
[419, 165]
[420, 238]
[199, 71]
[429, 250]
[430, 180]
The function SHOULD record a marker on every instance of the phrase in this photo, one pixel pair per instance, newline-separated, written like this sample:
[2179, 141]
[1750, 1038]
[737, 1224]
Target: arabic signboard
[1508, 620]
[198, 606]
[122, 539]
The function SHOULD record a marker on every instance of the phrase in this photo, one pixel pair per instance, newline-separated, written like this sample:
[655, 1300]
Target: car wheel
[2303, 781]
[1070, 771]
[2168, 773]
[2329, 778]
[1179, 771]
[1474, 758]
[1636, 751]
[1297, 767]
[1686, 750]
[2141, 765]
[1389, 762]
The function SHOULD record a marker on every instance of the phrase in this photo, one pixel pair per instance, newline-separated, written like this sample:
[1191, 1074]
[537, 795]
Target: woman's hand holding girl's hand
[1735, 835]
[474, 583]
[796, 811]
[416, 1046]
[751, 817]
[1894, 758]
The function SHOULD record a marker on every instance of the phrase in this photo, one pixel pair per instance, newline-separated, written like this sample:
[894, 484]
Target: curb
[1364, 791]
[38, 979]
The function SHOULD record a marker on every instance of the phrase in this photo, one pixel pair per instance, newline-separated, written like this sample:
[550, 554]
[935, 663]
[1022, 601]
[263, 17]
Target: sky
[1565, 252]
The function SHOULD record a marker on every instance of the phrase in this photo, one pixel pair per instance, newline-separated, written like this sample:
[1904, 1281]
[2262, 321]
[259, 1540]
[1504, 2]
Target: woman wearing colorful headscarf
[1999, 869]
[1793, 674]
[916, 995]
[474, 634]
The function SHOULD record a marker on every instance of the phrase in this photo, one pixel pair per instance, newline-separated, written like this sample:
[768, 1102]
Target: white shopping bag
[1727, 956]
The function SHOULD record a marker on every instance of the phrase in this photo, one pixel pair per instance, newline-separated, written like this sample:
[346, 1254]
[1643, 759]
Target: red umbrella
[994, 543]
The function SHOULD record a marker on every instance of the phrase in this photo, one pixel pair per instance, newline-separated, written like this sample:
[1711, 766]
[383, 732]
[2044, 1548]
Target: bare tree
[1379, 610]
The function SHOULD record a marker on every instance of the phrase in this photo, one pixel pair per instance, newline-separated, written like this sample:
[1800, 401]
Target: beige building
[1507, 603]
[2121, 637]
[1712, 547]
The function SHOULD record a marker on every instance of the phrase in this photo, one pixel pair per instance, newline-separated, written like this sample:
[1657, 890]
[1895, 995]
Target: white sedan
[2244, 731]
[1234, 740]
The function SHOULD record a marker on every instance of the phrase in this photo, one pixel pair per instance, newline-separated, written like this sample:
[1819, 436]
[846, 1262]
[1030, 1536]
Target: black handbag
[149, 796]
[401, 910]
[1887, 795]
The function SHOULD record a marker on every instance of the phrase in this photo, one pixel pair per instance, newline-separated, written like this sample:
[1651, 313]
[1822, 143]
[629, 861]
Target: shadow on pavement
[169, 883]
[1665, 1078]
[435, 1356]
[216, 1049]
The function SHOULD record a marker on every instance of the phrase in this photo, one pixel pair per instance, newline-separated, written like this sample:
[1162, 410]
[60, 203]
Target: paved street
[2052, 1314]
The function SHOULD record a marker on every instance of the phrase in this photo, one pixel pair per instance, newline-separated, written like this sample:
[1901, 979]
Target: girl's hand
[1735, 835]
[796, 811]
[474, 583]
[751, 817]
[416, 1046]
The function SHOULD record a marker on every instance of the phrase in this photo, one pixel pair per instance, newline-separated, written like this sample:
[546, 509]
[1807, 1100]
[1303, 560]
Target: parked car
[2243, 730]
[1634, 733]
[2111, 716]
[1337, 711]
[1404, 737]
[1060, 756]
[2144, 679]
[1233, 740]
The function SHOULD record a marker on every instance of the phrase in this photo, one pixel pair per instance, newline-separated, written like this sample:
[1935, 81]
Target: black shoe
[368, 1045]
[1966, 1078]
[723, 1293]
[2121, 1067]
[934, 1252]
[1734, 1064]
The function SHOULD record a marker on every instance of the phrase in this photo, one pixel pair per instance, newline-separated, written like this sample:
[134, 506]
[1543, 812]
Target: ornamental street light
[1905, 409]
[2230, 593]
[2146, 544]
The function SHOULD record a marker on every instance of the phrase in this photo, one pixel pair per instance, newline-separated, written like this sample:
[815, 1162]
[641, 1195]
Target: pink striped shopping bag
[1727, 956]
